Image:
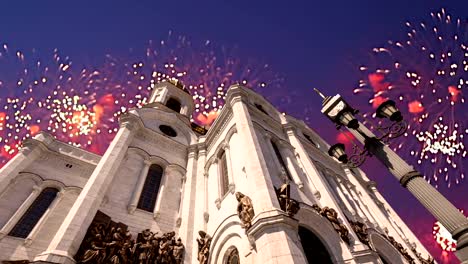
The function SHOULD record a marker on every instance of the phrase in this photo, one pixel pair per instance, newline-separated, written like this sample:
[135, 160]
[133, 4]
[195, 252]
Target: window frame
[144, 191]
[223, 174]
[174, 100]
[16, 230]
[280, 159]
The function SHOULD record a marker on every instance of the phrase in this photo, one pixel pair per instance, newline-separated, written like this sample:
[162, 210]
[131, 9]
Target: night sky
[309, 43]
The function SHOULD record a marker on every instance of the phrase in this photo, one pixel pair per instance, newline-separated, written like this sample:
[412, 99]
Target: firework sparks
[443, 237]
[82, 106]
[427, 74]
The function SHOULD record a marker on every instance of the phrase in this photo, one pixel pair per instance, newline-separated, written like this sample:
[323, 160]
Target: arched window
[223, 174]
[34, 213]
[151, 188]
[314, 249]
[280, 160]
[173, 104]
[232, 256]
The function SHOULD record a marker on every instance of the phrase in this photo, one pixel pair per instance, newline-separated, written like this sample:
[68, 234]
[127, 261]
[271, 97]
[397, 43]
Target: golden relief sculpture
[332, 216]
[361, 231]
[401, 249]
[245, 210]
[204, 243]
[109, 242]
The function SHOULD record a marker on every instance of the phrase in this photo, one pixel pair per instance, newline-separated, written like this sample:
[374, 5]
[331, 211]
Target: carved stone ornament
[204, 243]
[401, 249]
[429, 259]
[287, 204]
[361, 231]
[245, 210]
[109, 242]
[332, 216]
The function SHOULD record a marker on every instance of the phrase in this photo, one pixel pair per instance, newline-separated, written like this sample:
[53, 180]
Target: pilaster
[68, 238]
[261, 188]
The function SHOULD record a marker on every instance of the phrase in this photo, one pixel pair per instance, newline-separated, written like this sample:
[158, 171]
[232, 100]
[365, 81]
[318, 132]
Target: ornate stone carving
[287, 204]
[401, 249]
[429, 259]
[204, 243]
[332, 216]
[109, 242]
[245, 210]
[361, 231]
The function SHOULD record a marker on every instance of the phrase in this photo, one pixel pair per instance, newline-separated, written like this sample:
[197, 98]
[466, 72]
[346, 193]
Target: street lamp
[338, 151]
[342, 114]
[388, 110]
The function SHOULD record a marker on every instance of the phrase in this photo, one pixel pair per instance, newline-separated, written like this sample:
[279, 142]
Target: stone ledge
[267, 220]
[55, 256]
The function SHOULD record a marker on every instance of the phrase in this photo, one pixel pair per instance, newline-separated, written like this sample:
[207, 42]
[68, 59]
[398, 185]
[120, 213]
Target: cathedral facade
[257, 187]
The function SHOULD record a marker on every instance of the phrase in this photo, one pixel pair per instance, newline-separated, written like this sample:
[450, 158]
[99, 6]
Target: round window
[168, 131]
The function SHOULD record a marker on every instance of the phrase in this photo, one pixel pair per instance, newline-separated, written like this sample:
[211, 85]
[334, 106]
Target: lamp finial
[320, 93]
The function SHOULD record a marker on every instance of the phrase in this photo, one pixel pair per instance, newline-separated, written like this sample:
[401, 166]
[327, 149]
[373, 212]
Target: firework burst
[427, 74]
[81, 106]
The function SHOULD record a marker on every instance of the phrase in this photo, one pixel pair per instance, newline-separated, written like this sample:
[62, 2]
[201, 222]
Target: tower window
[174, 105]
[168, 131]
[151, 188]
[280, 160]
[223, 174]
[34, 213]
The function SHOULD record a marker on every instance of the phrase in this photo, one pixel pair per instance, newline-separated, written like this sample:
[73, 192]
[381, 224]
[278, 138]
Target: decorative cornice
[219, 126]
[130, 121]
[48, 144]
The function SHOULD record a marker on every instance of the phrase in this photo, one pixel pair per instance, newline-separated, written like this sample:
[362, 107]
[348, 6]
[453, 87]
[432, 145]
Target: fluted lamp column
[336, 109]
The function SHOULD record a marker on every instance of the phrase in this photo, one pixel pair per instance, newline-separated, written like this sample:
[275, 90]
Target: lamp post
[342, 114]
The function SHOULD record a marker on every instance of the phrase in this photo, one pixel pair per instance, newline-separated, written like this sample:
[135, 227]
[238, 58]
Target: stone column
[345, 187]
[271, 150]
[227, 150]
[139, 187]
[362, 206]
[309, 167]
[68, 238]
[335, 183]
[199, 198]
[287, 153]
[168, 200]
[29, 152]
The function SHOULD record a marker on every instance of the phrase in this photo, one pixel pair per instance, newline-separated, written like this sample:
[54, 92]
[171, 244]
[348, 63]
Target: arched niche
[314, 249]
[323, 230]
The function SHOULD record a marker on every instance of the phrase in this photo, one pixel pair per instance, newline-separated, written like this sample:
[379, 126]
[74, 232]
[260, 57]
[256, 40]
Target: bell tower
[172, 95]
